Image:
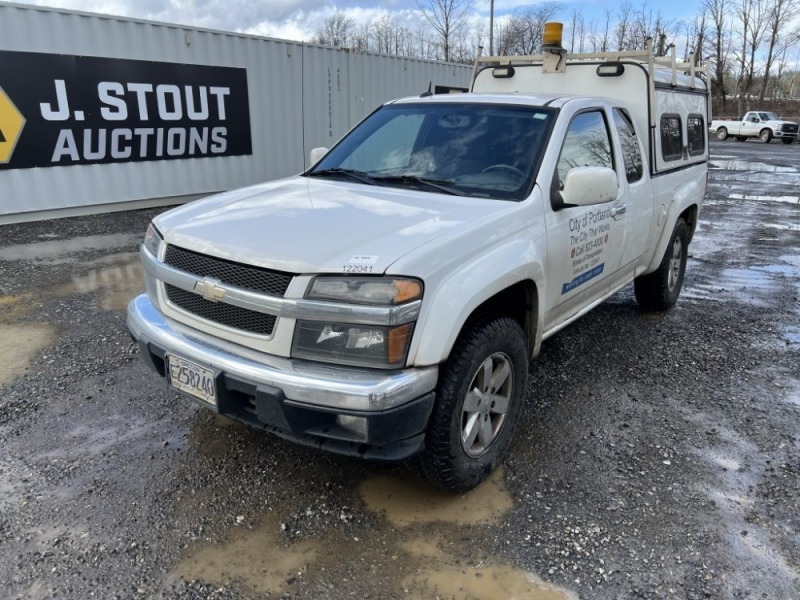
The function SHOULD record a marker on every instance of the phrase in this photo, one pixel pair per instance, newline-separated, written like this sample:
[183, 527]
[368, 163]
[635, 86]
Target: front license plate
[192, 379]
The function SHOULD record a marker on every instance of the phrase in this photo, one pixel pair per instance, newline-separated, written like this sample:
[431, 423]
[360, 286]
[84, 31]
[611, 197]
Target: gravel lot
[658, 456]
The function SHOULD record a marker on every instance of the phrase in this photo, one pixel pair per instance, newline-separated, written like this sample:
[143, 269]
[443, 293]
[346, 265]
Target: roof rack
[644, 56]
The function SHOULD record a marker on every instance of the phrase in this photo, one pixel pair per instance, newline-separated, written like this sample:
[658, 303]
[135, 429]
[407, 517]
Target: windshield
[468, 149]
[769, 116]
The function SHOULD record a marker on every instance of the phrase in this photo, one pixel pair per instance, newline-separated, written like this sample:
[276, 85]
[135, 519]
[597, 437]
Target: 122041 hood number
[357, 268]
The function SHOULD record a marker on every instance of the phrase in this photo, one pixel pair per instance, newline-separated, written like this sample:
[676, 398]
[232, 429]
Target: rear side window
[671, 137]
[631, 153]
[696, 128]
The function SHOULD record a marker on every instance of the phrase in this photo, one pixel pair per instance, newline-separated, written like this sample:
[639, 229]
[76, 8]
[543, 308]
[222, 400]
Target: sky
[299, 19]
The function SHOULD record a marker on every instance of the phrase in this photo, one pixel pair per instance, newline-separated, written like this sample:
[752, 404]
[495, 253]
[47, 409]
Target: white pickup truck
[755, 124]
[386, 302]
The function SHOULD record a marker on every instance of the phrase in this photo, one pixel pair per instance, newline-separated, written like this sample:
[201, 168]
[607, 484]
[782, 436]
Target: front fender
[466, 288]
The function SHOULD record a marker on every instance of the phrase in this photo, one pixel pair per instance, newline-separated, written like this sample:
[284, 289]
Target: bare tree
[361, 38]
[447, 17]
[753, 18]
[522, 33]
[600, 40]
[781, 16]
[718, 12]
[696, 33]
[646, 24]
[576, 29]
[335, 30]
[624, 24]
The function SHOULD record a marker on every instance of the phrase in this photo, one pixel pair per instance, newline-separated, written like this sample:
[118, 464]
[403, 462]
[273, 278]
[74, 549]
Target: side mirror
[316, 155]
[584, 186]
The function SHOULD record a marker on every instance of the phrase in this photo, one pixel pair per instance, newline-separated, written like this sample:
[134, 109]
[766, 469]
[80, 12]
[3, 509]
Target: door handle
[617, 210]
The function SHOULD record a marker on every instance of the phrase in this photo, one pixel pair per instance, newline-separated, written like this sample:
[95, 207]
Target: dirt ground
[658, 455]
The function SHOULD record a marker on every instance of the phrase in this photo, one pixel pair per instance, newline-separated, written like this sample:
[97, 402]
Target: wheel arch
[685, 203]
[477, 290]
[519, 302]
[691, 216]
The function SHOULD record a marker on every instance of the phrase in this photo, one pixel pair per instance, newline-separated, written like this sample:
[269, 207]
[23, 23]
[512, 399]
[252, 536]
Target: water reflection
[118, 282]
[58, 251]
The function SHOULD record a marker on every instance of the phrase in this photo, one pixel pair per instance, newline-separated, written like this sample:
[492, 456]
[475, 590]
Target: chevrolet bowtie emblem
[209, 289]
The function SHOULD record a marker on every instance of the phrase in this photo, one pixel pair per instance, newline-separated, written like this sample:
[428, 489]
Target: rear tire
[478, 402]
[741, 138]
[722, 134]
[765, 136]
[659, 290]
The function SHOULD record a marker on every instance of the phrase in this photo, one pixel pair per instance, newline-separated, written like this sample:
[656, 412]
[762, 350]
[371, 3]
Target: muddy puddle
[736, 164]
[791, 334]
[486, 583]
[425, 545]
[409, 501]
[259, 558]
[753, 284]
[117, 278]
[63, 251]
[21, 342]
[765, 198]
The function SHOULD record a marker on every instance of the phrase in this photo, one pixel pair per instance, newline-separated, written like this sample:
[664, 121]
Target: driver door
[585, 243]
[751, 124]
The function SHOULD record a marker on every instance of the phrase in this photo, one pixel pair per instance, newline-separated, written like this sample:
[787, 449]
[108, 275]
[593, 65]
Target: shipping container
[100, 113]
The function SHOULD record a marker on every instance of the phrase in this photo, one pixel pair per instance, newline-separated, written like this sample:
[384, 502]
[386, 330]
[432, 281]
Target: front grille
[265, 281]
[219, 312]
[786, 128]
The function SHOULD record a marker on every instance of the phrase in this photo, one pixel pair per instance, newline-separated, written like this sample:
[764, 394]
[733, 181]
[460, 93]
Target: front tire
[788, 140]
[741, 138]
[659, 290]
[765, 136]
[478, 402]
[722, 134]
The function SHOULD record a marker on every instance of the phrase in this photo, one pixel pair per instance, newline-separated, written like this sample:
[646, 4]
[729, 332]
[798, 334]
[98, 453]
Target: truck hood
[302, 225]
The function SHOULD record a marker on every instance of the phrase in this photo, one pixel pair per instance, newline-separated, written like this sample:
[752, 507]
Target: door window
[586, 144]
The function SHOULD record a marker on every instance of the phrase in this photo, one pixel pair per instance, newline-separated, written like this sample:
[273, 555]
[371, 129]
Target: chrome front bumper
[308, 383]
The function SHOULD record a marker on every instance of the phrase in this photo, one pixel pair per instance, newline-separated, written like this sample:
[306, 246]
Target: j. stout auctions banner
[60, 110]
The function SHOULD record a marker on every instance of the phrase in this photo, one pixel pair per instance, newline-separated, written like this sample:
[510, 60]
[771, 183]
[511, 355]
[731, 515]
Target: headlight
[366, 290]
[361, 345]
[153, 240]
[346, 344]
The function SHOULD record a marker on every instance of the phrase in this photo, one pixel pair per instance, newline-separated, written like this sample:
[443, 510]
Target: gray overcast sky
[299, 19]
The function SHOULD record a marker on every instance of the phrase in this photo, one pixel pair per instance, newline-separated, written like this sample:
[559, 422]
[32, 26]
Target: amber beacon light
[552, 35]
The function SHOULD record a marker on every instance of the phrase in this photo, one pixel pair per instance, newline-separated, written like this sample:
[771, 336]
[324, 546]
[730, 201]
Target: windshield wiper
[437, 184]
[351, 173]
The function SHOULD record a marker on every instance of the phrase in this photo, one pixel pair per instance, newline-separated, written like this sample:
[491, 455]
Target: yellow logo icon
[11, 124]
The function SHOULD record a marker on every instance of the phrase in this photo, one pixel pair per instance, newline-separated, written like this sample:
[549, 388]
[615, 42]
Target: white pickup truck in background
[765, 126]
[386, 302]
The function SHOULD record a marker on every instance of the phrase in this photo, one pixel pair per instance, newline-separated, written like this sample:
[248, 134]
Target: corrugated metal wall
[301, 96]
